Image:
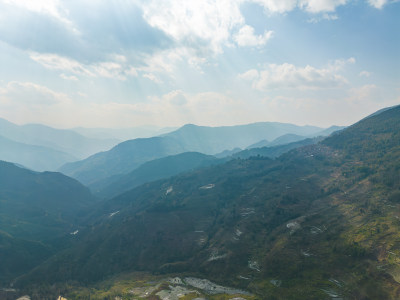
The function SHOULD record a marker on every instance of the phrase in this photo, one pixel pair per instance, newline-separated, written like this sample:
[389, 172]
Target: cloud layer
[124, 63]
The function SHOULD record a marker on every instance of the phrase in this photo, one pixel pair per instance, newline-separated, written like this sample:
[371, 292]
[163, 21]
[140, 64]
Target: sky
[128, 63]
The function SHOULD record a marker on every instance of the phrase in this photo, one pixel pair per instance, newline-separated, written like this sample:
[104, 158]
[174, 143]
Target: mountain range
[36, 141]
[311, 219]
[318, 222]
[127, 156]
[123, 134]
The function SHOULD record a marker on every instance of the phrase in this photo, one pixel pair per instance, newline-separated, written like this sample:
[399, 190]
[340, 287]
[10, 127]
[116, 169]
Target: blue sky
[126, 63]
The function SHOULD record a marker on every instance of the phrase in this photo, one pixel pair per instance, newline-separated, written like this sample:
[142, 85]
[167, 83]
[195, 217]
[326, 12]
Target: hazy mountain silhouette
[37, 158]
[128, 155]
[121, 159]
[63, 140]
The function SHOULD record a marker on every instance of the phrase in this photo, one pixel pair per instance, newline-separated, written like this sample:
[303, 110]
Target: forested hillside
[320, 220]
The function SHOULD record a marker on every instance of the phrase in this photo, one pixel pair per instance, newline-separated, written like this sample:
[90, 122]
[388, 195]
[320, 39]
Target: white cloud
[176, 97]
[57, 62]
[166, 63]
[206, 27]
[289, 76]
[317, 6]
[379, 4]
[109, 70]
[50, 7]
[246, 37]
[193, 23]
[131, 72]
[66, 77]
[152, 77]
[249, 75]
[365, 74]
[277, 6]
[313, 6]
[325, 16]
[339, 64]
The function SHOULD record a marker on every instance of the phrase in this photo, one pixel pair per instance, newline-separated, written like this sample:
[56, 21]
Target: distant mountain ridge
[123, 134]
[121, 159]
[37, 158]
[127, 156]
[275, 151]
[63, 140]
[291, 138]
[213, 140]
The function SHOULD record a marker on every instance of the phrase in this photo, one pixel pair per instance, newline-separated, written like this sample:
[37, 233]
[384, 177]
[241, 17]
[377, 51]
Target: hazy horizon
[155, 127]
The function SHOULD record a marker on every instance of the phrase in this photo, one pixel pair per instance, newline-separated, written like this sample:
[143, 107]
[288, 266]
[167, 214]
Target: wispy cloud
[66, 77]
[29, 94]
[289, 76]
[324, 17]
[109, 69]
[57, 62]
[365, 74]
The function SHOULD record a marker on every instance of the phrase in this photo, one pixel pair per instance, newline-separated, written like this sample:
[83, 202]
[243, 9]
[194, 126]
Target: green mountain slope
[40, 206]
[19, 256]
[319, 222]
[36, 211]
[37, 158]
[153, 170]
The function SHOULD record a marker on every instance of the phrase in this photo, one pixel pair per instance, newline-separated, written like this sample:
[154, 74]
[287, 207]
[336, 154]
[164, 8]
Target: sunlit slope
[321, 221]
